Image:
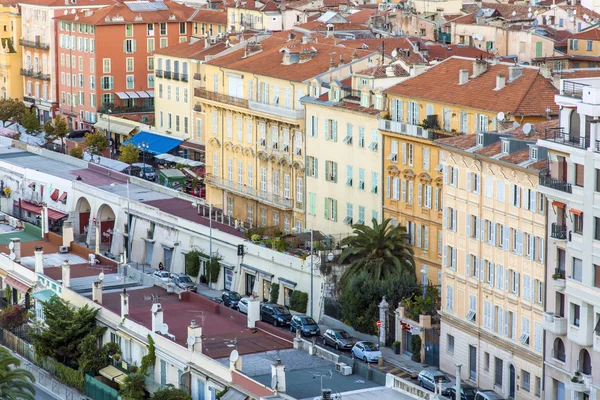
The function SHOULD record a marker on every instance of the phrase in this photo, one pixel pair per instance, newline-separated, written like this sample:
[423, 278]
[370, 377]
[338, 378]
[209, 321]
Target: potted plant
[396, 347]
[116, 357]
[558, 275]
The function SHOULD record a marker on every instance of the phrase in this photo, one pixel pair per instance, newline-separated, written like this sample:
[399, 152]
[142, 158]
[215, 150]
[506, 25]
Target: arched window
[559, 350]
[585, 362]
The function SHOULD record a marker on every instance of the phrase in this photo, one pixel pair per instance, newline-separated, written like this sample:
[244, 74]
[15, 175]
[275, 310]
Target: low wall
[336, 324]
[408, 388]
[263, 326]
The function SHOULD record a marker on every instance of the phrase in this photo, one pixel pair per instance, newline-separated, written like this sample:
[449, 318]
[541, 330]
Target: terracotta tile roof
[342, 26]
[462, 142]
[463, 19]
[580, 11]
[194, 50]
[580, 73]
[125, 15]
[517, 157]
[335, 3]
[380, 71]
[538, 166]
[268, 62]
[490, 150]
[529, 94]
[347, 105]
[361, 17]
[210, 17]
[441, 52]
[268, 5]
[389, 45]
[590, 34]
[506, 10]
[537, 132]
[61, 3]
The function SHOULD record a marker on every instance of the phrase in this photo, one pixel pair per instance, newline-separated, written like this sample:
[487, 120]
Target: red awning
[56, 215]
[576, 212]
[31, 185]
[54, 195]
[63, 197]
[558, 204]
[15, 284]
[32, 208]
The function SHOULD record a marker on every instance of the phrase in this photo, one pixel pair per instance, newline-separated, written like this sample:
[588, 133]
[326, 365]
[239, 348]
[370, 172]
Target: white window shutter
[517, 281]
[445, 173]
[468, 265]
[533, 207]
[454, 259]
[507, 274]
[468, 225]
[493, 236]
[500, 321]
[445, 217]
[514, 325]
[506, 238]
[404, 153]
[420, 194]
[477, 227]
[327, 129]
[455, 176]
[491, 273]
[388, 188]
[527, 192]
[418, 235]
[482, 225]
[468, 181]
[505, 323]
[454, 220]
[481, 269]
[445, 256]
[518, 189]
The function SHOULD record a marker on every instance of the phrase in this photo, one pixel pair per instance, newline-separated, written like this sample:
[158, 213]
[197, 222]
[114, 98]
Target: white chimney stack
[124, 304]
[66, 274]
[514, 71]
[253, 312]
[157, 317]
[195, 331]
[16, 249]
[500, 81]
[96, 291]
[278, 376]
[463, 76]
[38, 256]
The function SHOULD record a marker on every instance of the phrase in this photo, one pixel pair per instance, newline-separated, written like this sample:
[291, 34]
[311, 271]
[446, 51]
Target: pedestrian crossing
[391, 369]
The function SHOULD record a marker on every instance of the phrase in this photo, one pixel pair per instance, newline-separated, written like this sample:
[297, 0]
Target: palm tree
[382, 251]
[15, 383]
[135, 387]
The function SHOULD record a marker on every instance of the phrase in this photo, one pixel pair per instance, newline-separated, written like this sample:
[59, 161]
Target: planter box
[559, 284]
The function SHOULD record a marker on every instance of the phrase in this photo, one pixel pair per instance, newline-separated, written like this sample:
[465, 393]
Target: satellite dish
[233, 357]
[330, 257]
[12, 256]
[101, 276]
[395, 53]
[529, 9]
[164, 329]
[529, 15]
[500, 116]
[191, 340]
[514, 13]
[527, 128]
[11, 245]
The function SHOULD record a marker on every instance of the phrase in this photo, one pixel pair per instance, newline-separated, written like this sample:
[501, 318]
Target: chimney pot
[96, 291]
[66, 274]
[278, 372]
[500, 81]
[157, 317]
[463, 76]
[38, 256]
[514, 71]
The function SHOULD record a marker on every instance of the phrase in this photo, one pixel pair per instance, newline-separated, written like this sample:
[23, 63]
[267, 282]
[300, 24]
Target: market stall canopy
[156, 144]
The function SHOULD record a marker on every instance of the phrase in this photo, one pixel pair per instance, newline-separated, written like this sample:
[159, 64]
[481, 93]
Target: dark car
[466, 392]
[78, 134]
[231, 299]
[339, 339]
[307, 325]
[275, 314]
[184, 282]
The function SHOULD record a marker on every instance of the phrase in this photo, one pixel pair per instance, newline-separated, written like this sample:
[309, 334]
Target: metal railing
[265, 197]
[167, 74]
[34, 44]
[558, 135]
[176, 76]
[114, 109]
[275, 110]
[573, 89]
[558, 231]
[184, 77]
[222, 98]
[549, 182]
[197, 77]
[35, 74]
[159, 73]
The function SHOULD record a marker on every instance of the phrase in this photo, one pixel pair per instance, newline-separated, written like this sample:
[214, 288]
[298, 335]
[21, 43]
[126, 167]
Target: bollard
[380, 361]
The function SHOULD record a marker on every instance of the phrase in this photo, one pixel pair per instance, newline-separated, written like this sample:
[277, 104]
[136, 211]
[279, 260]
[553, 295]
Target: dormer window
[505, 146]
[336, 95]
[364, 99]
[364, 82]
[480, 139]
[379, 102]
[533, 153]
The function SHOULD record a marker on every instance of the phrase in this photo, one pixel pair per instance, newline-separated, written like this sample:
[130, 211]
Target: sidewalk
[45, 382]
[401, 361]
[210, 293]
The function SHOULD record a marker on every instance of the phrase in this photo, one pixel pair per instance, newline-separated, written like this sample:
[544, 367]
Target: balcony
[275, 110]
[176, 76]
[35, 74]
[554, 324]
[167, 74]
[572, 89]
[558, 135]
[114, 109]
[37, 44]
[559, 284]
[221, 98]
[159, 73]
[581, 386]
[558, 231]
[197, 108]
[254, 194]
[184, 77]
[197, 77]
[410, 130]
[557, 184]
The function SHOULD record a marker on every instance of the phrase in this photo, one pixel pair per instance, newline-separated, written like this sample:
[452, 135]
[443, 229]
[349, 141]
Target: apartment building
[344, 148]
[209, 23]
[457, 96]
[570, 182]
[95, 76]
[494, 259]
[581, 52]
[40, 51]
[11, 58]
[254, 125]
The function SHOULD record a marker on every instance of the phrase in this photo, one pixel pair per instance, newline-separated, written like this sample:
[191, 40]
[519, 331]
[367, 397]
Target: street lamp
[143, 147]
[426, 284]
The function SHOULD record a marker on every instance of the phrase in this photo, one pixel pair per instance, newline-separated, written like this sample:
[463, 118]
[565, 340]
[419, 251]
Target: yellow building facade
[11, 58]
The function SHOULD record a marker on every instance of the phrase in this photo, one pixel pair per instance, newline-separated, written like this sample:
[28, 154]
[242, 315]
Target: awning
[63, 197]
[15, 284]
[143, 95]
[122, 95]
[56, 215]
[135, 95]
[32, 208]
[115, 126]
[179, 160]
[287, 282]
[54, 195]
[43, 295]
[157, 144]
[193, 146]
[575, 212]
[558, 204]
[233, 394]
[110, 372]
[260, 271]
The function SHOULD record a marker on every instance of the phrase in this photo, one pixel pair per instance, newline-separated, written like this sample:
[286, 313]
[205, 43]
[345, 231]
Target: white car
[162, 275]
[243, 305]
[366, 351]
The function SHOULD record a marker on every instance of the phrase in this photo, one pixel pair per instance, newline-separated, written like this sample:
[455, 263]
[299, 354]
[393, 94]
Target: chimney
[67, 236]
[157, 317]
[253, 311]
[479, 67]
[38, 256]
[463, 76]
[500, 81]
[66, 275]
[546, 71]
[278, 376]
[325, 394]
[342, 62]
[195, 330]
[16, 249]
[514, 71]
[331, 64]
[96, 291]
[417, 69]
[354, 55]
[390, 72]
[124, 304]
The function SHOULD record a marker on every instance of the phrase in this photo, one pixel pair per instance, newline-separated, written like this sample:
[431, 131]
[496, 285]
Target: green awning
[43, 295]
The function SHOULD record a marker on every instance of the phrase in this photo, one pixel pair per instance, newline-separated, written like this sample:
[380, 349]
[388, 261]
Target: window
[473, 183]
[361, 137]
[150, 29]
[472, 313]
[107, 82]
[312, 166]
[449, 257]
[349, 177]
[299, 188]
[374, 182]
[413, 113]
[575, 314]
[164, 42]
[129, 81]
[331, 171]
[349, 213]
[348, 137]
[579, 175]
[597, 180]
[374, 140]
[407, 154]
[450, 215]
[129, 45]
[498, 372]
[450, 340]
[524, 338]
[450, 304]
[163, 28]
[515, 196]
[150, 45]
[577, 269]
[361, 179]
[525, 377]
[312, 203]
[330, 209]
[182, 28]
[129, 30]
[573, 43]
[105, 65]
[451, 176]
[558, 350]
[473, 226]
[577, 221]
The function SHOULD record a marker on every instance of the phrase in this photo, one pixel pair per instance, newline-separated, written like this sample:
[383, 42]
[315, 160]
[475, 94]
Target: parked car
[307, 325]
[339, 339]
[488, 395]
[243, 305]
[183, 281]
[146, 171]
[366, 351]
[164, 276]
[467, 392]
[429, 378]
[275, 314]
[231, 299]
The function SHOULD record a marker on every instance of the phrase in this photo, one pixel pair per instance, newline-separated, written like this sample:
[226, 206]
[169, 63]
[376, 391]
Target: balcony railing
[557, 184]
[555, 324]
[159, 73]
[558, 231]
[34, 44]
[176, 76]
[243, 190]
[222, 98]
[184, 77]
[410, 130]
[197, 77]
[35, 74]
[114, 109]
[167, 74]
[573, 89]
[558, 135]
[275, 110]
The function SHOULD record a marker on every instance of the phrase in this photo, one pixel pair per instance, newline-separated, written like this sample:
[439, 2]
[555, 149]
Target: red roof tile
[194, 50]
[210, 17]
[589, 34]
[361, 17]
[341, 26]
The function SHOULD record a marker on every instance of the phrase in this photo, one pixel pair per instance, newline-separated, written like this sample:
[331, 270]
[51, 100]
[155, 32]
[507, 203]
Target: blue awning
[43, 295]
[157, 144]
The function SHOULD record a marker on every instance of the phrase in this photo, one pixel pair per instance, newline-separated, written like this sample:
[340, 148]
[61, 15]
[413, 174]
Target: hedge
[274, 292]
[69, 376]
[299, 301]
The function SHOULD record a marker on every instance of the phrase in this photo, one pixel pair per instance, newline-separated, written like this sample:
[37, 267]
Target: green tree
[58, 130]
[11, 110]
[134, 388]
[417, 305]
[129, 153]
[170, 394]
[382, 251]
[64, 331]
[15, 383]
[48, 130]
[93, 359]
[76, 152]
[13, 316]
[30, 122]
[96, 142]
